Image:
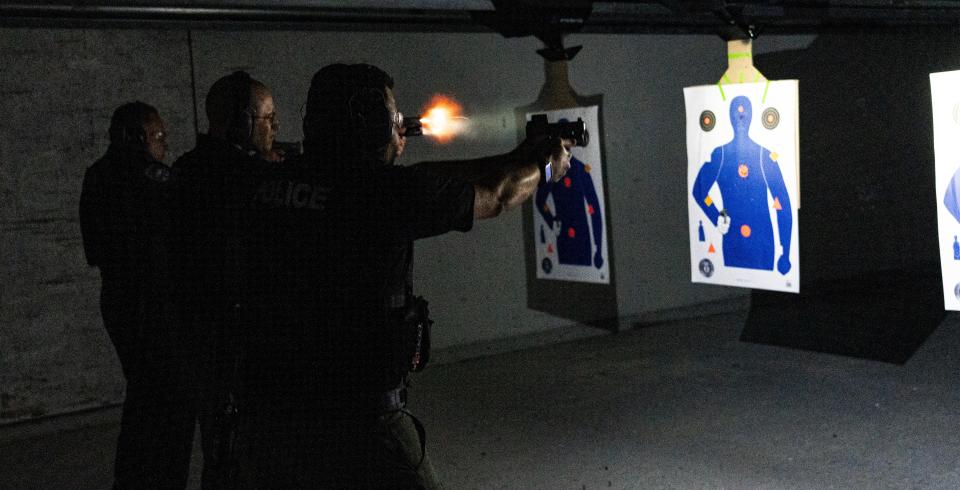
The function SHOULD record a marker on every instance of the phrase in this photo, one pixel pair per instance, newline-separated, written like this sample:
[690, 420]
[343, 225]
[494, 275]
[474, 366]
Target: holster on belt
[413, 342]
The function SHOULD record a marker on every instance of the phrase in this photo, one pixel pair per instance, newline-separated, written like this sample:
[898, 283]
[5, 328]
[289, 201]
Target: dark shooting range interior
[646, 381]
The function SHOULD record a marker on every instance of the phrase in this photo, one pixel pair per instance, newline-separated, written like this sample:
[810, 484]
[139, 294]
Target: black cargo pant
[347, 450]
[159, 412]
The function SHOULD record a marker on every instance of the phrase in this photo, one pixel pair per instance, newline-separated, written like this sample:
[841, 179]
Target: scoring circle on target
[707, 120]
[770, 118]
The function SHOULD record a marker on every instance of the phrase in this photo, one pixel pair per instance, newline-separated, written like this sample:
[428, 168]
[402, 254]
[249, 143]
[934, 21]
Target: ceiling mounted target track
[512, 18]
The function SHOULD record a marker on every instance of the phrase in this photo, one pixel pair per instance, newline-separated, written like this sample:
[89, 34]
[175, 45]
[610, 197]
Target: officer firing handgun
[334, 283]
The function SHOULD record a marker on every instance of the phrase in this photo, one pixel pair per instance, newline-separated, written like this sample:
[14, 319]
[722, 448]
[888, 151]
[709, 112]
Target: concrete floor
[682, 405]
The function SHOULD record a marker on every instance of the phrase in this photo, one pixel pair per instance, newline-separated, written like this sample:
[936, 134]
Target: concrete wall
[59, 87]
[57, 92]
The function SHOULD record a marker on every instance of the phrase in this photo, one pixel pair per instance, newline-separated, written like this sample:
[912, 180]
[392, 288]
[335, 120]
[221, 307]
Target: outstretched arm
[705, 180]
[502, 182]
[781, 203]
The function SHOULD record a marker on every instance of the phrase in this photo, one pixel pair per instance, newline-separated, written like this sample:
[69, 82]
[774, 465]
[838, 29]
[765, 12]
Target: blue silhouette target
[945, 100]
[576, 216]
[743, 181]
[569, 215]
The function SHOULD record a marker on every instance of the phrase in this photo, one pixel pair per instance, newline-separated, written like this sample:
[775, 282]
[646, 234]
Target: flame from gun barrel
[443, 119]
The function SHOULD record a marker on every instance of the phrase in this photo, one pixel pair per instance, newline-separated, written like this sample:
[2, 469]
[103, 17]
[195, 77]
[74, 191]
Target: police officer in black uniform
[337, 324]
[212, 222]
[125, 221]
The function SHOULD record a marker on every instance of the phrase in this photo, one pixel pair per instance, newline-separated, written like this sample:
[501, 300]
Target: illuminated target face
[770, 118]
[742, 184]
[707, 120]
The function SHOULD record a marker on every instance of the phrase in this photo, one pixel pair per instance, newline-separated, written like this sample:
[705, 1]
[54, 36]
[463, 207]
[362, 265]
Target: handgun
[412, 126]
[571, 130]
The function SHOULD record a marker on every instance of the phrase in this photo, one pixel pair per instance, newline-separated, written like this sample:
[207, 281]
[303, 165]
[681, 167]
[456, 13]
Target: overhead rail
[612, 16]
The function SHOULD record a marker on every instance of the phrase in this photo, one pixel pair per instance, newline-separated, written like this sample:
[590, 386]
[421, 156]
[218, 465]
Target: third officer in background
[125, 211]
[211, 225]
[336, 323]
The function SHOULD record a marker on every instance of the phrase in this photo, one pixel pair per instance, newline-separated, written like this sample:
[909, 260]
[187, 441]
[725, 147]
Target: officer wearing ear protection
[212, 190]
[242, 113]
[125, 221]
[331, 254]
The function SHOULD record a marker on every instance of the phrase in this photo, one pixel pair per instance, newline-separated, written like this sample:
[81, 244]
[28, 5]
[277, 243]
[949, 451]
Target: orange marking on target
[776, 204]
[745, 231]
[743, 170]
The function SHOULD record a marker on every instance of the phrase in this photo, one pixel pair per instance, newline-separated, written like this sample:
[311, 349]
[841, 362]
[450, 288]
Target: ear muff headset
[370, 119]
[133, 136]
[127, 125]
[127, 131]
[240, 129]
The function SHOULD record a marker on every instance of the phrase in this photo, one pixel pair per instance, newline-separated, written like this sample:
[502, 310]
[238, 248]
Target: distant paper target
[770, 118]
[569, 216]
[707, 120]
